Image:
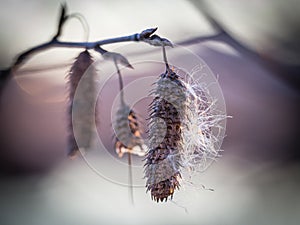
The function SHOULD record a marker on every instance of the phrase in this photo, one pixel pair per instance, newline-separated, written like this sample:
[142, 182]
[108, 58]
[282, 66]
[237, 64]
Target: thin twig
[84, 24]
[130, 180]
[120, 84]
[87, 45]
[144, 36]
[56, 43]
[165, 57]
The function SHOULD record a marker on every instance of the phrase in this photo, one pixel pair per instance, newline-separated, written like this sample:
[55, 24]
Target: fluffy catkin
[128, 133]
[203, 128]
[167, 114]
[81, 108]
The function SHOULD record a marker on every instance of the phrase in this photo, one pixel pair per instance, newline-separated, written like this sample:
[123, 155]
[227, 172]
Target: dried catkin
[128, 133]
[82, 100]
[167, 115]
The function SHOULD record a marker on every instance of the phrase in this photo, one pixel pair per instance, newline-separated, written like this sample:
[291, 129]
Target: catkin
[81, 108]
[167, 115]
[128, 133]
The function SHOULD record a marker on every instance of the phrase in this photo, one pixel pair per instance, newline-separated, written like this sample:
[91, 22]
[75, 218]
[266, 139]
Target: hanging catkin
[167, 114]
[128, 133]
[82, 103]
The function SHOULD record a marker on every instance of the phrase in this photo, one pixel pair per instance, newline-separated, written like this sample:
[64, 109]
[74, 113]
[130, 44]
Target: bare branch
[152, 40]
[146, 36]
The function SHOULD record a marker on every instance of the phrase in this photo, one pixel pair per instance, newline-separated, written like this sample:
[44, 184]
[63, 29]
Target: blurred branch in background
[289, 73]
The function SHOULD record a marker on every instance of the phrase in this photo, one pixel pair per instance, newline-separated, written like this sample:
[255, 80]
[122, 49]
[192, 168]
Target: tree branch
[88, 45]
[146, 36]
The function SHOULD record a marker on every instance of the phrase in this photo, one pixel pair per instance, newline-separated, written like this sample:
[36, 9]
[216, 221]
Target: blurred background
[251, 47]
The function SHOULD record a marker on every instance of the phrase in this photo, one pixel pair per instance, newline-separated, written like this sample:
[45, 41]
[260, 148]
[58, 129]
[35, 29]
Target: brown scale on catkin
[81, 108]
[167, 114]
[128, 132]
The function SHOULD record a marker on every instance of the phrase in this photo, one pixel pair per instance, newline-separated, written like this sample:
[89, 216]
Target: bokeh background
[253, 49]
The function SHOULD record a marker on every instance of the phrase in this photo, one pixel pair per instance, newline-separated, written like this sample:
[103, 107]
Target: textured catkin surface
[167, 113]
[82, 96]
[127, 132]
